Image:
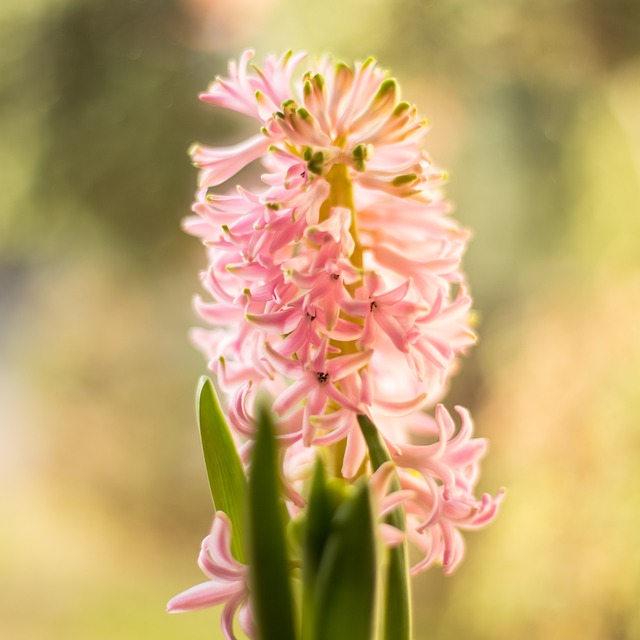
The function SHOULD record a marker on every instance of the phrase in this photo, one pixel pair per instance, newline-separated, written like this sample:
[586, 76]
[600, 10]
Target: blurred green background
[535, 107]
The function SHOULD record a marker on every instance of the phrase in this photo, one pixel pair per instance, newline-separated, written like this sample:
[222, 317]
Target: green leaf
[346, 579]
[377, 449]
[320, 512]
[227, 479]
[321, 508]
[268, 566]
[397, 589]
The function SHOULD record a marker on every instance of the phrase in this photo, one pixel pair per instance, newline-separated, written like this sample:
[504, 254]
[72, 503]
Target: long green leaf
[346, 579]
[227, 479]
[268, 566]
[320, 511]
[397, 594]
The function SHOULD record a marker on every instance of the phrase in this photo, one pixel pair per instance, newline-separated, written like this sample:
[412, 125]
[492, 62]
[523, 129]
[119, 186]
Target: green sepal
[345, 589]
[316, 163]
[396, 623]
[407, 178]
[400, 108]
[307, 88]
[343, 69]
[360, 154]
[268, 566]
[387, 91]
[227, 479]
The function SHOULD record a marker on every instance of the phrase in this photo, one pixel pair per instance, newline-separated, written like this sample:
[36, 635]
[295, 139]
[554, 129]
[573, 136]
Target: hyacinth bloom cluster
[336, 289]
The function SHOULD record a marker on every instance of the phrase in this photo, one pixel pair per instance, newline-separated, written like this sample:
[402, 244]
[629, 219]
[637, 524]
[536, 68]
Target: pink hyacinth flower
[336, 288]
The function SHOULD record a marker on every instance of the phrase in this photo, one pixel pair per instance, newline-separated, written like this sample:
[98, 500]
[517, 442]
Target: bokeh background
[535, 106]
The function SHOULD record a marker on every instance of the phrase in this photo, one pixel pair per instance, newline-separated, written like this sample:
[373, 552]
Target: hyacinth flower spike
[337, 310]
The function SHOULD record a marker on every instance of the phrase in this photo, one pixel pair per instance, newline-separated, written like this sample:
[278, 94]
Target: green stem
[341, 195]
[397, 595]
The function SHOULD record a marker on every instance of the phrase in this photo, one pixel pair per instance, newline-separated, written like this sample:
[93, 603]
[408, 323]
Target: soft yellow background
[535, 107]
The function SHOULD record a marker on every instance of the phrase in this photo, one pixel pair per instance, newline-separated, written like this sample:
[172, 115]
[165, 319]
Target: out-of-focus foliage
[535, 110]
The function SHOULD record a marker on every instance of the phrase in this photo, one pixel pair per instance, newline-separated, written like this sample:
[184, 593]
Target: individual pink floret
[444, 487]
[227, 581]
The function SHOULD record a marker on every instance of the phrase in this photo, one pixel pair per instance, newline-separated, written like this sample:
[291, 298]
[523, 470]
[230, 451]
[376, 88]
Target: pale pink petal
[393, 329]
[391, 536]
[400, 408]
[228, 613]
[292, 395]
[245, 618]
[340, 398]
[220, 539]
[343, 366]
[286, 366]
[202, 596]
[394, 500]
[354, 453]
[279, 320]
[217, 165]
[339, 423]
